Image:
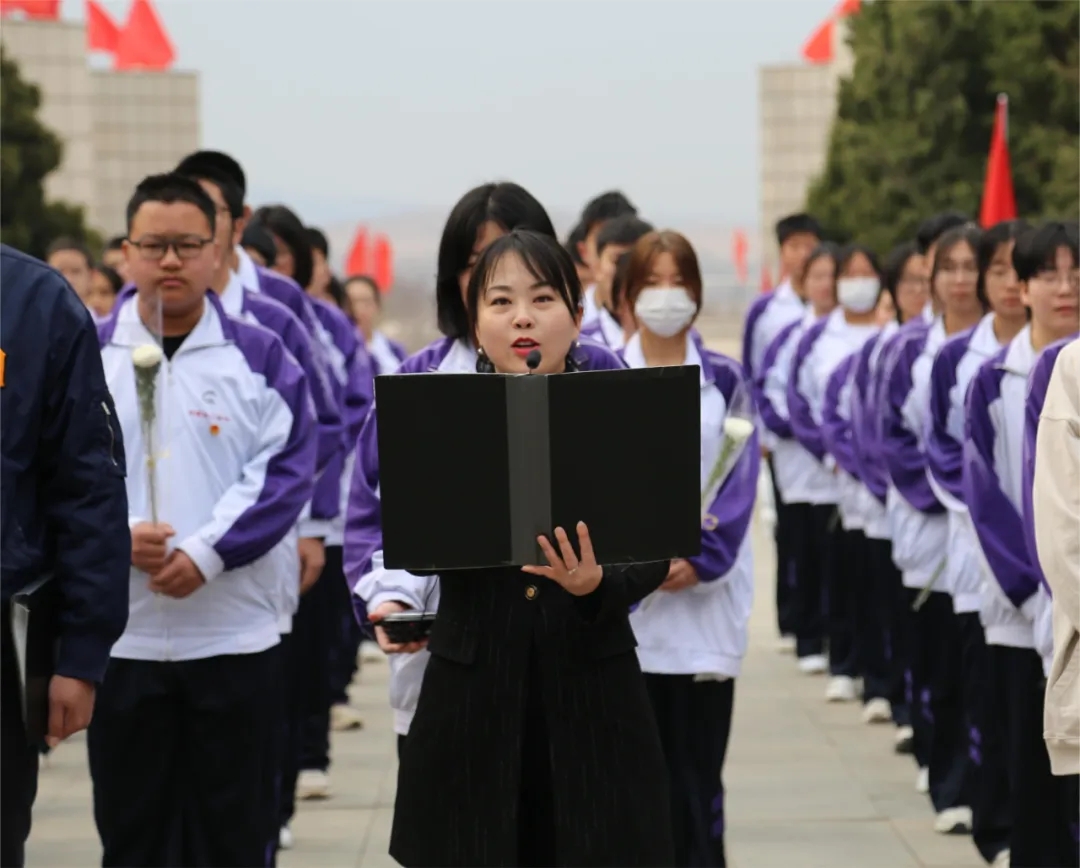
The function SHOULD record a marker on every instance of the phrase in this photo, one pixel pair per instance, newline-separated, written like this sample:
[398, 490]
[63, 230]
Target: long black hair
[991, 240]
[505, 204]
[893, 273]
[969, 234]
[289, 228]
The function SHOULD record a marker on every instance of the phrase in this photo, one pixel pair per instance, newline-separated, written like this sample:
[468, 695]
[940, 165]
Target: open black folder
[472, 467]
[35, 614]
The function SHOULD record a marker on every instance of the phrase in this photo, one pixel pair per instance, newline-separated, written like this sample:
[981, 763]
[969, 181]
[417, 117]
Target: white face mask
[665, 310]
[858, 294]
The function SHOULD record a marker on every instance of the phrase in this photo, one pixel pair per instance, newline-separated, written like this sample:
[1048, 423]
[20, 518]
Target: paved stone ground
[808, 784]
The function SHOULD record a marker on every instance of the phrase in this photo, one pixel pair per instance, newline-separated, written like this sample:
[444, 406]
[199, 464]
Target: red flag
[819, 47]
[44, 10]
[846, 8]
[383, 254]
[102, 34]
[357, 260]
[999, 199]
[143, 43]
[739, 248]
[766, 278]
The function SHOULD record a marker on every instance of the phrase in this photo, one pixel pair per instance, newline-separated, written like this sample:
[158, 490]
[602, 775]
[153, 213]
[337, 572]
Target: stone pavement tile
[934, 850]
[817, 844]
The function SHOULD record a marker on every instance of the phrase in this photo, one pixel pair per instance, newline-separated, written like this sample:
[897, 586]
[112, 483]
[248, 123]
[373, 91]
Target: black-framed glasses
[186, 247]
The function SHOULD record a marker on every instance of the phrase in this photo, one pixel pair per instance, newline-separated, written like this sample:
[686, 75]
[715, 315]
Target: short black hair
[543, 256]
[169, 188]
[794, 224]
[932, 228]
[505, 204]
[965, 233]
[115, 243]
[606, 206]
[258, 237]
[112, 275]
[850, 251]
[67, 243]
[217, 161]
[318, 241]
[624, 230]
[230, 192]
[893, 271]
[1036, 249]
[288, 227]
[991, 240]
[618, 283]
[576, 237]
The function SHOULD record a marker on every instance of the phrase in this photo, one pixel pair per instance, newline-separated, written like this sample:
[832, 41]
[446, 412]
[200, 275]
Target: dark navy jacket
[64, 503]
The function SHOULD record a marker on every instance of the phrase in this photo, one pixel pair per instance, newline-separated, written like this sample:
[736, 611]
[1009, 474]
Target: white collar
[635, 357]
[460, 360]
[247, 271]
[130, 330]
[232, 299]
[1020, 354]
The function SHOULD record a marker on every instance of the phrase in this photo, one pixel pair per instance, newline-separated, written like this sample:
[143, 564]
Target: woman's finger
[569, 558]
[546, 572]
[585, 544]
[549, 553]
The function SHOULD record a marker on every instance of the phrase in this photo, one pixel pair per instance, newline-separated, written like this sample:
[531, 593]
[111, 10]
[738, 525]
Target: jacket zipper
[112, 433]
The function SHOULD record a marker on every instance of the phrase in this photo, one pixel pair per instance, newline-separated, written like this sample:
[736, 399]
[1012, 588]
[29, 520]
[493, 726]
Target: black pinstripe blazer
[459, 780]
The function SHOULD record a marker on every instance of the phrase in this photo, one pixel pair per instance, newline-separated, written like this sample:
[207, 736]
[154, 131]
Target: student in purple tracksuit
[954, 367]
[1046, 264]
[363, 304]
[795, 472]
[692, 631]
[615, 238]
[797, 235]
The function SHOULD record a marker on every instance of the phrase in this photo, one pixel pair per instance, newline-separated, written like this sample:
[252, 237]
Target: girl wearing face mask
[819, 351]
[482, 216]
[1047, 262]
[692, 631]
[953, 368]
[533, 701]
[796, 471]
[920, 525]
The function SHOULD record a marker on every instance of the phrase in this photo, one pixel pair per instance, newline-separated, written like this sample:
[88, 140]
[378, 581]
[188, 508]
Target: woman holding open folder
[692, 631]
[533, 742]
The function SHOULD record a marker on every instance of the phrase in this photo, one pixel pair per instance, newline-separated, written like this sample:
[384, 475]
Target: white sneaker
[922, 781]
[786, 644]
[904, 733]
[313, 784]
[344, 717]
[840, 688]
[813, 664]
[954, 821]
[877, 711]
[285, 839]
[1001, 860]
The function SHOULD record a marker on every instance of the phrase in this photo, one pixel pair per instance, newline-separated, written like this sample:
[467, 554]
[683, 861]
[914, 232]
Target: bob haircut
[543, 256]
[849, 251]
[992, 239]
[606, 206]
[932, 228]
[577, 236]
[507, 205]
[258, 237]
[893, 272]
[618, 283]
[825, 248]
[624, 231]
[1036, 249]
[367, 280]
[287, 226]
[969, 234]
[643, 254]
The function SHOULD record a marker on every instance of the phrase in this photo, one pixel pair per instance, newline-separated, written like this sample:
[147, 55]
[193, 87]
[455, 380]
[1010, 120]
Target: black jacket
[64, 500]
[459, 780]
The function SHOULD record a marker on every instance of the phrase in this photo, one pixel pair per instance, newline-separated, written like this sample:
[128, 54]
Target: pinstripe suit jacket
[459, 780]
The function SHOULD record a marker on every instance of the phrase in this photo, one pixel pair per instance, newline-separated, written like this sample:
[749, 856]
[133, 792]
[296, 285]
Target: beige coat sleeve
[1056, 496]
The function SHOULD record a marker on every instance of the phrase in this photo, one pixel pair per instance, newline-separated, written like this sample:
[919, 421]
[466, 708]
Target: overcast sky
[348, 106]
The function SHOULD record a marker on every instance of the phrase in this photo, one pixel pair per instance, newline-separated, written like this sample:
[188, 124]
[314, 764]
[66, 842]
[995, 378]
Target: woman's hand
[680, 575]
[390, 607]
[578, 577]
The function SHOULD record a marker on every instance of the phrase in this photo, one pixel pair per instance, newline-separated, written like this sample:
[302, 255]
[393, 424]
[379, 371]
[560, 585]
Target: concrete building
[796, 107]
[117, 127]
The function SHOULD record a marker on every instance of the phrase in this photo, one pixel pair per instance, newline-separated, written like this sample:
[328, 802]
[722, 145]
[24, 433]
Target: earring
[484, 365]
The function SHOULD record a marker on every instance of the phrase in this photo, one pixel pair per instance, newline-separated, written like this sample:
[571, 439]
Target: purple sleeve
[997, 523]
[903, 456]
[835, 426]
[753, 315]
[772, 418]
[398, 349]
[864, 426]
[726, 523]
[592, 356]
[363, 516]
[803, 425]
[944, 455]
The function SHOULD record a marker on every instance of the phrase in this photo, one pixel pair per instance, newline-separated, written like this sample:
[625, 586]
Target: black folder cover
[473, 467]
[35, 622]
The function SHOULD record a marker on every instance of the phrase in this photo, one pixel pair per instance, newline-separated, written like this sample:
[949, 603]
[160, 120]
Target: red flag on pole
[383, 255]
[766, 278]
[143, 43]
[357, 260]
[999, 199]
[102, 34]
[739, 249]
[45, 10]
[819, 47]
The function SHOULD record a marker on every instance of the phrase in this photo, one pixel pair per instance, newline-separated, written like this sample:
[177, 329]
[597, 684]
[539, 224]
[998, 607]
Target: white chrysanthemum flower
[738, 430]
[147, 356]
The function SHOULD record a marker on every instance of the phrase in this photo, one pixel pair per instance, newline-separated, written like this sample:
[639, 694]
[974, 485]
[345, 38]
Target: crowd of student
[898, 428]
[899, 406]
